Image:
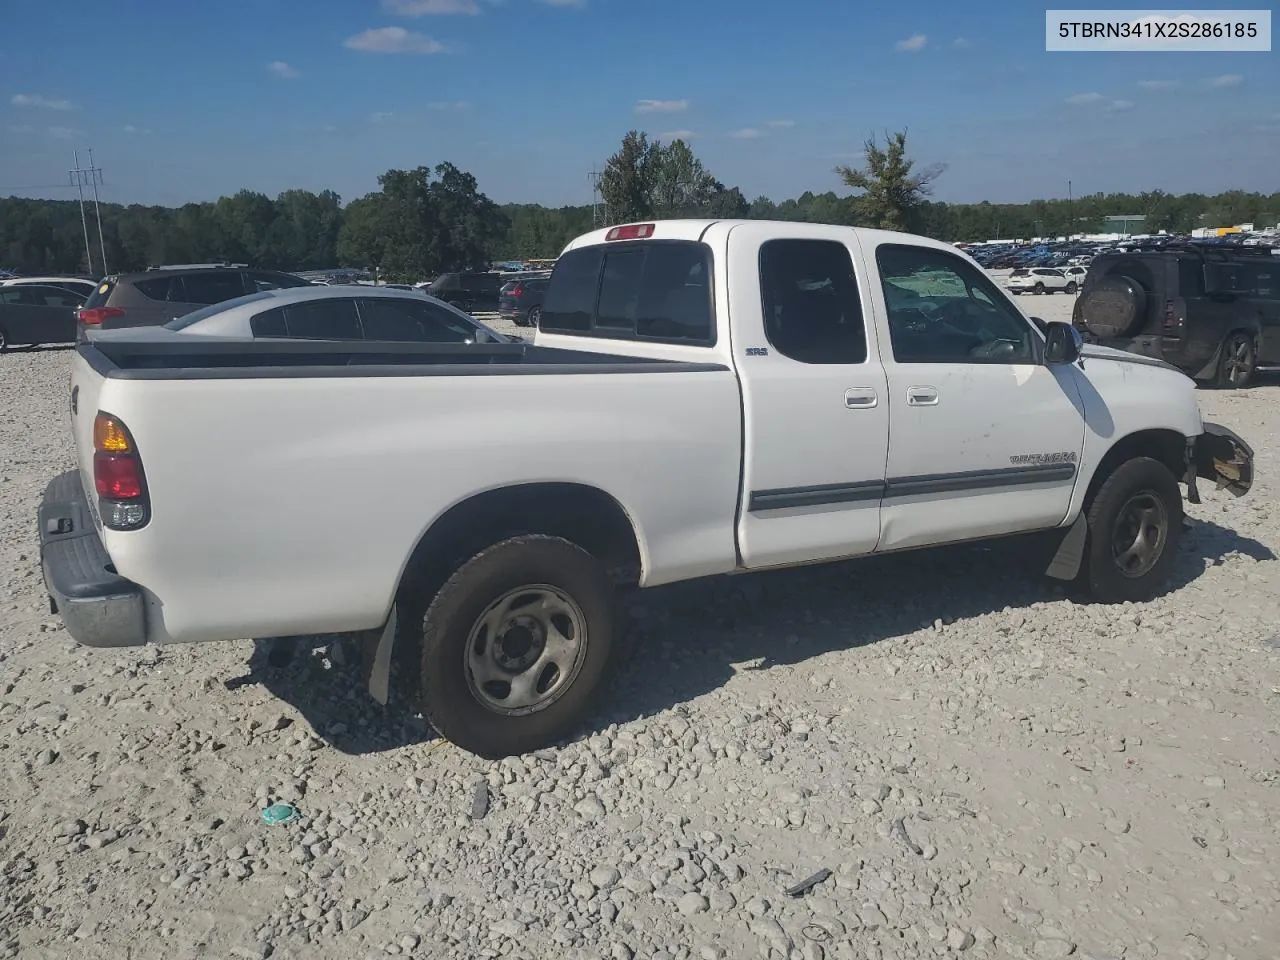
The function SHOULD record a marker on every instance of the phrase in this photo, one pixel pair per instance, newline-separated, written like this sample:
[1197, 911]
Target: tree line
[428, 220]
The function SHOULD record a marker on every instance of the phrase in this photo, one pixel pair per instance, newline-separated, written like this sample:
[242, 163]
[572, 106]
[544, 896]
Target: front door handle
[922, 396]
[860, 398]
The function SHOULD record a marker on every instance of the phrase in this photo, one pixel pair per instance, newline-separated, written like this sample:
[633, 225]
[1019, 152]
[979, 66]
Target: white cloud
[393, 40]
[426, 8]
[1084, 99]
[662, 106]
[45, 103]
[283, 70]
[960, 43]
[746, 133]
[677, 135]
[130, 128]
[1225, 81]
[913, 44]
[448, 105]
[380, 116]
[65, 133]
[782, 124]
[1159, 85]
[1115, 106]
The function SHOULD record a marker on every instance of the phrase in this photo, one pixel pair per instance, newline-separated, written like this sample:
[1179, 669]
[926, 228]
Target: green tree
[891, 194]
[627, 181]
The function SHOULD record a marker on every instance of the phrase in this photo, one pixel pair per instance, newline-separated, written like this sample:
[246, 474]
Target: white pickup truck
[703, 397]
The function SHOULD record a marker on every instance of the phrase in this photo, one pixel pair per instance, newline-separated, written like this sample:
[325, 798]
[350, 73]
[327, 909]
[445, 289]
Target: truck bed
[199, 358]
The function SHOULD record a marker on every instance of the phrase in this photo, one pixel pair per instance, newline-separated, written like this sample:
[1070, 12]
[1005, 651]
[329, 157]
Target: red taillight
[516, 291]
[632, 231]
[117, 476]
[94, 316]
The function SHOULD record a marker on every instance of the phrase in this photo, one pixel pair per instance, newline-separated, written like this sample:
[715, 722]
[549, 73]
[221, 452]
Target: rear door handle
[860, 398]
[922, 396]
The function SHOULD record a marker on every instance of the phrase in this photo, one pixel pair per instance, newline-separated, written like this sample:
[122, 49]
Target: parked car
[31, 314]
[157, 296]
[520, 301]
[1039, 280]
[81, 285]
[1076, 274]
[341, 312]
[685, 428]
[1211, 311]
[472, 292]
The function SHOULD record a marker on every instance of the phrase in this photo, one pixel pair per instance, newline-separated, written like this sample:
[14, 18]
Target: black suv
[471, 292]
[520, 301]
[1211, 310]
[160, 295]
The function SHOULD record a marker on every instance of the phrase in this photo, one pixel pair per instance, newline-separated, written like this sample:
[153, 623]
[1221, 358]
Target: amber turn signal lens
[109, 436]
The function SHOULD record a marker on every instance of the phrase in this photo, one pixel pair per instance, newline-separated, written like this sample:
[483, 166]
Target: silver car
[327, 313]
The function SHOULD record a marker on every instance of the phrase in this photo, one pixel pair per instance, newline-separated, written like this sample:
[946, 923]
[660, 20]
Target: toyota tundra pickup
[704, 397]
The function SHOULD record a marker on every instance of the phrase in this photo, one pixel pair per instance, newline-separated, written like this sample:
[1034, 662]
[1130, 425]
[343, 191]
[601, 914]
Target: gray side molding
[1065, 564]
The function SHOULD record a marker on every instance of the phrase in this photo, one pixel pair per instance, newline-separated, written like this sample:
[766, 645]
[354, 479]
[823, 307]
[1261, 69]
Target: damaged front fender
[1220, 455]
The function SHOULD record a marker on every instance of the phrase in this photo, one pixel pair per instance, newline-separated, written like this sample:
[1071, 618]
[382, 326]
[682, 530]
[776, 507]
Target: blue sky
[190, 101]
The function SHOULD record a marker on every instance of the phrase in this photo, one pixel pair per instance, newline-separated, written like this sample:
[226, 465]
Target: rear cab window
[652, 290]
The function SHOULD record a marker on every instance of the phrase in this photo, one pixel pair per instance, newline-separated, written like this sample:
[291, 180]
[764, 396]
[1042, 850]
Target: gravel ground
[987, 769]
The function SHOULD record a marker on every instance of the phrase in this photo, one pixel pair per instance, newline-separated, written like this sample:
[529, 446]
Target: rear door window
[157, 288]
[405, 320]
[269, 324]
[324, 320]
[210, 288]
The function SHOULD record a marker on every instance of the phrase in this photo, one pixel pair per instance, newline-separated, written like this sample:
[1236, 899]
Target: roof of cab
[698, 229]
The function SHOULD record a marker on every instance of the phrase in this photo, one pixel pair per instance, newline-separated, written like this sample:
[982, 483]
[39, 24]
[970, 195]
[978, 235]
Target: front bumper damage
[1220, 455]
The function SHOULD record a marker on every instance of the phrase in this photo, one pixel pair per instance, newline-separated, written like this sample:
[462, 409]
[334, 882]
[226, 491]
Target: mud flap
[376, 658]
[1222, 456]
[1065, 564]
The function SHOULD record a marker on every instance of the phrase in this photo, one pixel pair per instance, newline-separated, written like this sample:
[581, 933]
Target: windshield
[196, 316]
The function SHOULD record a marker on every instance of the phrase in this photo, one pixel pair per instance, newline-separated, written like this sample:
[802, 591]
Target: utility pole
[1071, 220]
[91, 175]
[96, 173]
[598, 214]
[77, 177]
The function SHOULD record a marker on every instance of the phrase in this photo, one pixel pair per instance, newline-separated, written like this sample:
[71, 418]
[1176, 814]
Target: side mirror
[1062, 343]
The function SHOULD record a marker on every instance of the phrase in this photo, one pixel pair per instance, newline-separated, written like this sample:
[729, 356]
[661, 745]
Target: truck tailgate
[86, 385]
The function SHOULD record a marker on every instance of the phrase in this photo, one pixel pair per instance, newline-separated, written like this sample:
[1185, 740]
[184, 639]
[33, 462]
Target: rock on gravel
[987, 768]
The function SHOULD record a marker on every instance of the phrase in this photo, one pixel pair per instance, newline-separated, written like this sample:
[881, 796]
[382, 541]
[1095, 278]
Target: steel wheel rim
[1239, 360]
[1139, 534]
[534, 316]
[525, 650]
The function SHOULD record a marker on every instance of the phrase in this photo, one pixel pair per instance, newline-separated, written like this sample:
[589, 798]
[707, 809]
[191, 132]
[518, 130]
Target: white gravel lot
[988, 769]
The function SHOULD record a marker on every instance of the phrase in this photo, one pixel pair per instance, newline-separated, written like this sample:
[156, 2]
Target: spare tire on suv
[1113, 307]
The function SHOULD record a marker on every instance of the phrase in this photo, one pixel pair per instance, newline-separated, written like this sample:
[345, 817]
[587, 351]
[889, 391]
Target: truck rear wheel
[1236, 362]
[1135, 522]
[516, 645]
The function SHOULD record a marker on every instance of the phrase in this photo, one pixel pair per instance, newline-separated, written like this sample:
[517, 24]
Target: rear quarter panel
[289, 506]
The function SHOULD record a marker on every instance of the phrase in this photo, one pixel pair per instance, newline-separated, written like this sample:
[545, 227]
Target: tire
[467, 667]
[1039, 289]
[1071, 288]
[1114, 307]
[1237, 362]
[1138, 492]
[534, 317]
[4, 340]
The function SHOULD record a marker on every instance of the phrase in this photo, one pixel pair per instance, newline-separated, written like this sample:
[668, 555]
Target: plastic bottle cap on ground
[279, 813]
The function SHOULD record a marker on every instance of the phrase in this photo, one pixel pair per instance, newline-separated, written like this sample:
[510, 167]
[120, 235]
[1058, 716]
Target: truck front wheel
[516, 645]
[1135, 522]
